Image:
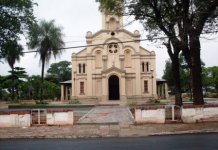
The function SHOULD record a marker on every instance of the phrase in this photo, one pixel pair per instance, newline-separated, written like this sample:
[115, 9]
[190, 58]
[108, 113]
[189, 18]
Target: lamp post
[152, 86]
[74, 86]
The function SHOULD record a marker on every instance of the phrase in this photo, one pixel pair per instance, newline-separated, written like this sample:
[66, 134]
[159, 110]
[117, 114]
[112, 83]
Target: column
[89, 76]
[104, 59]
[166, 91]
[138, 74]
[122, 62]
[104, 89]
[66, 93]
[62, 92]
[123, 87]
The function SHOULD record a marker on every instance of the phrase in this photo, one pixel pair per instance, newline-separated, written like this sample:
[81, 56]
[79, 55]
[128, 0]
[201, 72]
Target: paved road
[178, 142]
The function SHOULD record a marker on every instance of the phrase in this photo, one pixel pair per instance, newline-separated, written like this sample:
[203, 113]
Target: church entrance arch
[114, 88]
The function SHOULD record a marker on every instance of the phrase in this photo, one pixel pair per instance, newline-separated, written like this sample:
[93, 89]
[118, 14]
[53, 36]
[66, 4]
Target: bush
[212, 95]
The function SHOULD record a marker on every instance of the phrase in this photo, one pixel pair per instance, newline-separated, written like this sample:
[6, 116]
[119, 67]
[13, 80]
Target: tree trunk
[196, 70]
[13, 84]
[175, 69]
[42, 79]
[176, 77]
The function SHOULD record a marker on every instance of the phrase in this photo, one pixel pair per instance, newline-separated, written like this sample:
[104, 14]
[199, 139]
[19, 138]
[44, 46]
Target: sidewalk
[92, 131]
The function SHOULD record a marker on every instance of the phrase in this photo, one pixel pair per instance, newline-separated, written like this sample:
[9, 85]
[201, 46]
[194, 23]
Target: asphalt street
[170, 142]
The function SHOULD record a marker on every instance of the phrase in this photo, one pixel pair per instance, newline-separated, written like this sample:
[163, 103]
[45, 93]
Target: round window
[113, 48]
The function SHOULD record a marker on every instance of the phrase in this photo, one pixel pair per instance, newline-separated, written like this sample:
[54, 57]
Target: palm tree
[47, 39]
[12, 53]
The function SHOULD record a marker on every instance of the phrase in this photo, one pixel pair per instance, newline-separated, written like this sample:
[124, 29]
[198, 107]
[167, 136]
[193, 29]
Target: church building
[113, 68]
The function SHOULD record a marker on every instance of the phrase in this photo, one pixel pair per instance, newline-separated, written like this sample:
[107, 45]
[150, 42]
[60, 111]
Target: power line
[84, 46]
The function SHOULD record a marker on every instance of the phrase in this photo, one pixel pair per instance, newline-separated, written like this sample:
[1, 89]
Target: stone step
[173, 121]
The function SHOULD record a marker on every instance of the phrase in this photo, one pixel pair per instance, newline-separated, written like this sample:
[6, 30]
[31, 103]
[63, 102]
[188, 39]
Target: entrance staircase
[107, 115]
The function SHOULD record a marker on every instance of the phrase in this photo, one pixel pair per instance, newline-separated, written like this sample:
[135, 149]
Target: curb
[183, 132]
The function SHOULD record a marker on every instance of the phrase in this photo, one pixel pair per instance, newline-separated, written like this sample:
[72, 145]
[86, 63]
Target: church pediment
[115, 69]
[91, 36]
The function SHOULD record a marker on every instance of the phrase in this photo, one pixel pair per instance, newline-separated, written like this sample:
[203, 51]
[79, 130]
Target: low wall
[60, 118]
[24, 119]
[202, 113]
[15, 119]
[150, 114]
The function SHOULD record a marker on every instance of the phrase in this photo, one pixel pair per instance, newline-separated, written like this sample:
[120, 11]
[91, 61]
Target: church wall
[121, 59]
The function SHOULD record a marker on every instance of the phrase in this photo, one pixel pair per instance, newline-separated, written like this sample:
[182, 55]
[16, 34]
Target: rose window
[113, 48]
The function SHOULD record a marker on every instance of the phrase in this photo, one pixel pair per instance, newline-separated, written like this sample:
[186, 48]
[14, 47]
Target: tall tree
[13, 51]
[182, 21]
[16, 17]
[47, 39]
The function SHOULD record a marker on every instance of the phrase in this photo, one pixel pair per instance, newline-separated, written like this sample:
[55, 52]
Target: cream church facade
[113, 68]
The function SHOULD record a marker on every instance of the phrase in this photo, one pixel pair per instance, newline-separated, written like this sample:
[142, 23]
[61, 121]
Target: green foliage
[12, 52]
[111, 6]
[16, 17]
[51, 90]
[47, 39]
[74, 102]
[14, 81]
[184, 75]
[41, 103]
[60, 71]
[33, 84]
[210, 79]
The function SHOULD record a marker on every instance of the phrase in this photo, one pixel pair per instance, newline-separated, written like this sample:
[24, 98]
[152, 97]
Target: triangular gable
[120, 30]
[144, 51]
[81, 52]
[114, 69]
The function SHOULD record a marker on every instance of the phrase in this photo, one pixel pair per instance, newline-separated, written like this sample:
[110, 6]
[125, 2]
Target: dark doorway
[114, 88]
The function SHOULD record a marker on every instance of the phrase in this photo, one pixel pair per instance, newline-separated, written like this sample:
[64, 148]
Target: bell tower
[111, 22]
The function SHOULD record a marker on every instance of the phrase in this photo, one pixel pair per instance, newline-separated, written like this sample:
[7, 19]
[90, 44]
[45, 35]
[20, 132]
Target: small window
[84, 68]
[80, 68]
[145, 86]
[112, 33]
[147, 66]
[82, 88]
[143, 67]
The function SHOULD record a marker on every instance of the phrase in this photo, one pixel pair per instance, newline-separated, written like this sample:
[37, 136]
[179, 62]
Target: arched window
[128, 60]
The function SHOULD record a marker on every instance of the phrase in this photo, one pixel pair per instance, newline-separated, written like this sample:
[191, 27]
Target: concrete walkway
[107, 115]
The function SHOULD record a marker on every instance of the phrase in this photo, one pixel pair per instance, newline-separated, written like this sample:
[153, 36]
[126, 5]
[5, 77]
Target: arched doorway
[114, 88]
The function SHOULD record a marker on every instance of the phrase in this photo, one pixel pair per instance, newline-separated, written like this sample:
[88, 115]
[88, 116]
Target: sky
[76, 17]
